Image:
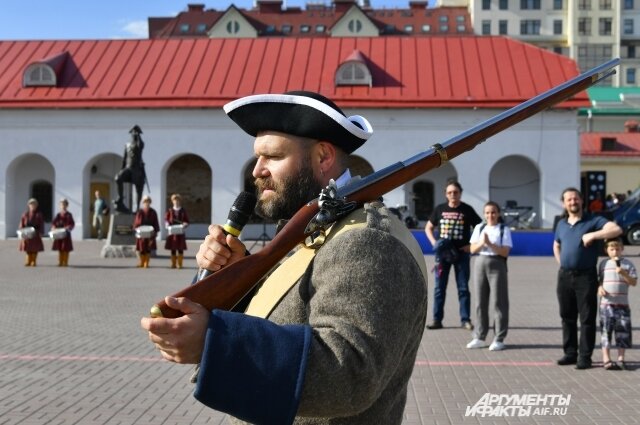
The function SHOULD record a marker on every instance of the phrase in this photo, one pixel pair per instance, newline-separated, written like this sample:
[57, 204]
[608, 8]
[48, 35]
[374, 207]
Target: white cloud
[136, 29]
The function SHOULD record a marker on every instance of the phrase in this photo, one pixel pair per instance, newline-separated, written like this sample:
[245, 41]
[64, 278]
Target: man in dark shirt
[577, 254]
[455, 221]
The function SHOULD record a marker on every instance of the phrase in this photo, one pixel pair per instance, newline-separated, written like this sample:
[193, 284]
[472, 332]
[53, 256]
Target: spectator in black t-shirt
[455, 221]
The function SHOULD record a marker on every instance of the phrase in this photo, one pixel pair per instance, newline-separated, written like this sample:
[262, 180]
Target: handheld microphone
[239, 215]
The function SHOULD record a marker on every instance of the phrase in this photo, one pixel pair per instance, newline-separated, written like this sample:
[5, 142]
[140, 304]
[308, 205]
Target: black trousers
[578, 298]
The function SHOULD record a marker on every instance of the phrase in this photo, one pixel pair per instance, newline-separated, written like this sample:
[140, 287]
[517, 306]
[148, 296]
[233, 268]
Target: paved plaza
[72, 351]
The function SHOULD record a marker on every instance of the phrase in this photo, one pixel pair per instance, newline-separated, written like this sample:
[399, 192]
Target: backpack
[446, 251]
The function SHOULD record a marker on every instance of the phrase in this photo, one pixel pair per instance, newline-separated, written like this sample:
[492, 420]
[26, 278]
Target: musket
[226, 287]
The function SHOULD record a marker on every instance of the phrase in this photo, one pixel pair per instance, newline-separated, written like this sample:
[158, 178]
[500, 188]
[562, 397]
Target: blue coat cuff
[253, 369]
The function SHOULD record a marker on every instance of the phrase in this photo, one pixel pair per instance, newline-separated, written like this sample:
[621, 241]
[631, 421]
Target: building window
[557, 5]
[270, 29]
[286, 29]
[584, 4]
[486, 27]
[443, 19]
[355, 26]
[557, 49]
[557, 27]
[608, 144]
[426, 28]
[502, 27]
[389, 29]
[184, 28]
[486, 4]
[444, 28]
[353, 74]
[604, 26]
[460, 19]
[584, 26]
[503, 4]
[530, 27]
[461, 28]
[631, 75]
[39, 75]
[305, 29]
[320, 29]
[530, 4]
[628, 26]
[233, 27]
[408, 28]
[628, 4]
[631, 51]
[605, 4]
[591, 55]
[200, 28]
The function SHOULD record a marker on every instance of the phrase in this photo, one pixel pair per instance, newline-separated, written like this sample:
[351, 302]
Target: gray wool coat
[365, 297]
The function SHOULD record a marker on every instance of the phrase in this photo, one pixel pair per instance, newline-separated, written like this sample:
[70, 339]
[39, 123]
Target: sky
[98, 19]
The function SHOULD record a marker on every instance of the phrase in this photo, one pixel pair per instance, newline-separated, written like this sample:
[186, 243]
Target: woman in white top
[492, 242]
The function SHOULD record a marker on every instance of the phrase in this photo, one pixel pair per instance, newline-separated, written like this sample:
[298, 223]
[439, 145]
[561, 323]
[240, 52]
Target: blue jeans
[461, 269]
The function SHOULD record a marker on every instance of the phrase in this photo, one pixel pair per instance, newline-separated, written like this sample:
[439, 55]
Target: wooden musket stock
[226, 287]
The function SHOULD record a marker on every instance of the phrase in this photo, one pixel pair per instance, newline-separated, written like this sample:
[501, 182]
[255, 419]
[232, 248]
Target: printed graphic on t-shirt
[452, 225]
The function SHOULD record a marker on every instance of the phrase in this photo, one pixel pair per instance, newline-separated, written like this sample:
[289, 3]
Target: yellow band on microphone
[231, 230]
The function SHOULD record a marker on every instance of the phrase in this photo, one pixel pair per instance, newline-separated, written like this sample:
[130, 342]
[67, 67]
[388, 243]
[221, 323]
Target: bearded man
[334, 342]
[577, 254]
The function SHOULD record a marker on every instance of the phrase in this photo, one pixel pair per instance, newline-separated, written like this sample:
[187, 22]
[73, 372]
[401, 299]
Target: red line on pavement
[476, 363]
[28, 357]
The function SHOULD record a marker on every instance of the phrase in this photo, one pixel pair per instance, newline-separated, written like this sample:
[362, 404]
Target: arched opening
[427, 191]
[190, 176]
[514, 183]
[43, 191]
[358, 166]
[423, 199]
[29, 175]
[99, 173]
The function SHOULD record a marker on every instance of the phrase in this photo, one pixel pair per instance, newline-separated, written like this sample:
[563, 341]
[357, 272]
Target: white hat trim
[346, 123]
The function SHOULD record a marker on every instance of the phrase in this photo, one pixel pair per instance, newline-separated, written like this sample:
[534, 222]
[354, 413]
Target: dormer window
[44, 73]
[355, 26]
[233, 27]
[354, 71]
[184, 28]
[608, 144]
[39, 75]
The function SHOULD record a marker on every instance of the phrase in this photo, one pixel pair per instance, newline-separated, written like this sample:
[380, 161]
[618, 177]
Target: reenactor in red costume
[147, 227]
[176, 220]
[32, 243]
[61, 228]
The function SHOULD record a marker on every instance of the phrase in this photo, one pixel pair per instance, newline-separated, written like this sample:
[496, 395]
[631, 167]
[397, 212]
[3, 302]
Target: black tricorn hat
[136, 129]
[300, 113]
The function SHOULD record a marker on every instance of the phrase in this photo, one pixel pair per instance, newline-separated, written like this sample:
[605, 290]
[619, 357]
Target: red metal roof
[270, 21]
[421, 72]
[626, 144]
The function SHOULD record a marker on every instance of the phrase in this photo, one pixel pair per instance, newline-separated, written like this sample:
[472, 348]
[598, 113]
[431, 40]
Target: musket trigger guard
[441, 151]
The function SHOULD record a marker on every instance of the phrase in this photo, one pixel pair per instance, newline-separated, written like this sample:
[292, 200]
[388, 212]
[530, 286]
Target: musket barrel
[228, 286]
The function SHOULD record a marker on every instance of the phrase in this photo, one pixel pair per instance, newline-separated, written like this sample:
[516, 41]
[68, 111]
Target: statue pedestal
[121, 240]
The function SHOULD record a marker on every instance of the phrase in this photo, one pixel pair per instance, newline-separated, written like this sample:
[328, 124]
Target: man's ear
[325, 155]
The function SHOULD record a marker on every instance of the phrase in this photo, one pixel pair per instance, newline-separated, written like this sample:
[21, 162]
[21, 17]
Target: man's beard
[575, 209]
[289, 195]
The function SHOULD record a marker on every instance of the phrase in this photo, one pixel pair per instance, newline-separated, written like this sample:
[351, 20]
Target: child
[615, 275]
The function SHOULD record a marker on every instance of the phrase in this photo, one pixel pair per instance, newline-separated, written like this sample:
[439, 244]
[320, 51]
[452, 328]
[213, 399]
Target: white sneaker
[476, 343]
[497, 346]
